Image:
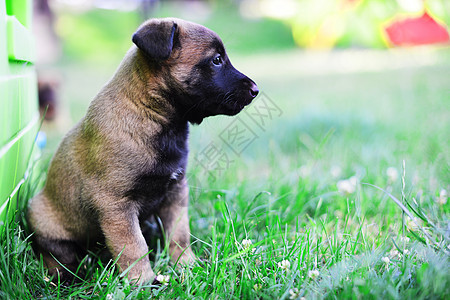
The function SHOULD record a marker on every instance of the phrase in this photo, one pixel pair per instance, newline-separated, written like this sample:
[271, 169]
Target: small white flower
[284, 264]
[313, 274]
[394, 253]
[406, 252]
[387, 261]
[163, 279]
[109, 297]
[392, 174]
[246, 243]
[404, 239]
[347, 186]
[442, 197]
[293, 293]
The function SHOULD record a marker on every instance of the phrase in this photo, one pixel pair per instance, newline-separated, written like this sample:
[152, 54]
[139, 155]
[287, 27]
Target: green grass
[340, 115]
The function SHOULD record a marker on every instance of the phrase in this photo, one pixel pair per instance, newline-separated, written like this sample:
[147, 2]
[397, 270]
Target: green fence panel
[19, 116]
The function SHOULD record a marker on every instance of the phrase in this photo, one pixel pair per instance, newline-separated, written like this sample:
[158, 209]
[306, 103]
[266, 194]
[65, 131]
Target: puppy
[126, 158]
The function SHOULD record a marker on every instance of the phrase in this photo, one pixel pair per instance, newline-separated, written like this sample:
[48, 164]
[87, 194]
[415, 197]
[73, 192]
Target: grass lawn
[297, 196]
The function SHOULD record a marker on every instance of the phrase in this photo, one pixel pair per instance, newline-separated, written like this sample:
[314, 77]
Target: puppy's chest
[172, 153]
[151, 184]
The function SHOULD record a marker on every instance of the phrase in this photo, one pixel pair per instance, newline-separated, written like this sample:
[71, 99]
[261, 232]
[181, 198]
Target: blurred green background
[95, 34]
[247, 26]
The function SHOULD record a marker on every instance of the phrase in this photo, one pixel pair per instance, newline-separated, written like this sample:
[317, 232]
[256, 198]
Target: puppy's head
[198, 75]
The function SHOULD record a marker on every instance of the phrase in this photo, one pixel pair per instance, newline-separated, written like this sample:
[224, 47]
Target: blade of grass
[400, 204]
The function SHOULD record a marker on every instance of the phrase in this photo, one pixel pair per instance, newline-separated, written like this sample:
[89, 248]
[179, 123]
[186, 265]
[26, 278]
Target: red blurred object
[421, 30]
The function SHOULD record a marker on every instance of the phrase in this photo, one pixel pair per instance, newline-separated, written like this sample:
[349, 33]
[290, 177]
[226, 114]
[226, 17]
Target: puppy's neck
[142, 84]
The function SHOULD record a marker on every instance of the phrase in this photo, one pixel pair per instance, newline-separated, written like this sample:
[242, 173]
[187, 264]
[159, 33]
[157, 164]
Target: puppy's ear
[155, 39]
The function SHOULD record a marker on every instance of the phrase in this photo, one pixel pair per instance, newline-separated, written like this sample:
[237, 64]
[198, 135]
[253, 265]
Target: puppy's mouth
[245, 98]
[234, 107]
[240, 105]
[229, 104]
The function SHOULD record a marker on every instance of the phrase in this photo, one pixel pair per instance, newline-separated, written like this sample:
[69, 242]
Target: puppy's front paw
[141, 276]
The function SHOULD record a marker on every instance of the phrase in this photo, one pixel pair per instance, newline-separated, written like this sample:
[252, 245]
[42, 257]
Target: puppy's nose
[254, 91]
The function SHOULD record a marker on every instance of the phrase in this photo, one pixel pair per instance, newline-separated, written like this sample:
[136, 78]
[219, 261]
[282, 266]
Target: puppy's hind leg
[61, 257]
[50, 240]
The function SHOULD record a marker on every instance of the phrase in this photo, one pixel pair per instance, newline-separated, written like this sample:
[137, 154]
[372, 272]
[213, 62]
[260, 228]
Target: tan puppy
[126, 159]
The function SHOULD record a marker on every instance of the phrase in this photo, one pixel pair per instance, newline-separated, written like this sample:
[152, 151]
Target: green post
[19, 114]
[22, 10]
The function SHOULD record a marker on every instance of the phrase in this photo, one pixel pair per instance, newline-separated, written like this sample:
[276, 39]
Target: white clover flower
[387, 261]
[347, 186]
[392, 174]
[293, 293]
[353, 180]
[313, 274]
[442, 197]
[284, 264]
[163, 279]
[109, 297]
[394, 253]
[246, 243]
[404, 239]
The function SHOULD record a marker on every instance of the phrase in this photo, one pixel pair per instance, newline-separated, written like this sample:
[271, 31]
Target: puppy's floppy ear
[155, 39]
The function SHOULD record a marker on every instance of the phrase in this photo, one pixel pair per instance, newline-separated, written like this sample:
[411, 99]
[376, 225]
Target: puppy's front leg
[123, 236]
[174, 216]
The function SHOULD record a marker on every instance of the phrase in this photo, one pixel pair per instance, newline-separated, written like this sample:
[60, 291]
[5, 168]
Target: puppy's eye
[217, 60]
